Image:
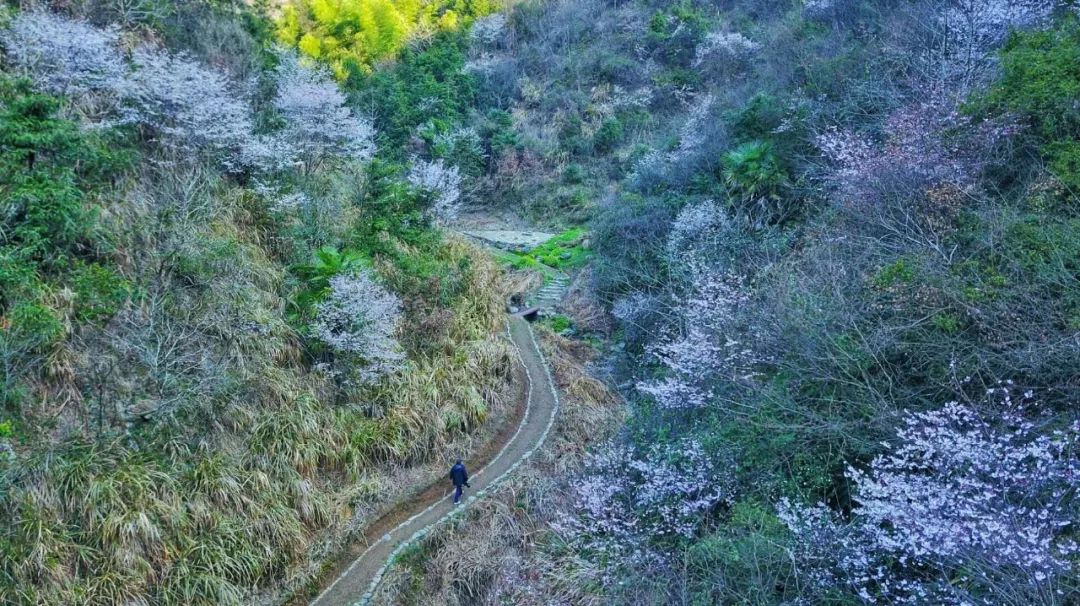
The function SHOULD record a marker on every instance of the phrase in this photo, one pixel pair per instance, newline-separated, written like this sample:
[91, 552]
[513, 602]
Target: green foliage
[50, 238]
[326, 263]
[1038, 264]
[46, 166]
[744, 560]
[758, 119]
[99, 291]
[947, 323]
[572, 135]
[498, 131]
[43, 206]
[34, 325]
[351, 36]
[393, 211]
[1040, 82]
[610, 134]
[564, 251]
[894, 274]
[573, 174]
[674, 33]
[559, 323]
[753, 170]
[426, 87]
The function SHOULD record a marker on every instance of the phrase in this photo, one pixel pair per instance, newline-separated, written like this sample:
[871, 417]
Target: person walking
[460, 477]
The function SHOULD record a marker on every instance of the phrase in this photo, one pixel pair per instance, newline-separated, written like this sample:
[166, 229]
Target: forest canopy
[353, 35]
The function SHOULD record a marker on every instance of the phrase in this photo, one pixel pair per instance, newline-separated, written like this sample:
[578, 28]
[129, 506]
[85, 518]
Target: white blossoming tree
[719, 46]
[625, 501]
[190, 105]
[442, 181]
[184, 104]
[358, 321]
[318, 124]
[489, 29]
[957, 39]
[176, 100]
[65, 56]
[962, 503]
[706, 343]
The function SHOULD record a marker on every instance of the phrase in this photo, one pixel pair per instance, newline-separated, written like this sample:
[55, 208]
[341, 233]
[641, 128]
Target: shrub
[358, 320]
[676, 33]
[99, 291]
[629, 234]
[756, 181]
[560, 323]
[326, 263]
[609, 135]
[1040, 81]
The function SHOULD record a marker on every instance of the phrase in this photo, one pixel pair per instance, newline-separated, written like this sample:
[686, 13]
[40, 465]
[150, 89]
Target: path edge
[368, 595]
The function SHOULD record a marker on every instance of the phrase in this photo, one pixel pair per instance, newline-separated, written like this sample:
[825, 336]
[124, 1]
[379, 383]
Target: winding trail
[356, 583]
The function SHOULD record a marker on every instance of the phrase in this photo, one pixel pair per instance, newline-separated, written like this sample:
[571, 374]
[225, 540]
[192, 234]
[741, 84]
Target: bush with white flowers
[627, 500]
[442, 181]
[963, 500]
[358, 320]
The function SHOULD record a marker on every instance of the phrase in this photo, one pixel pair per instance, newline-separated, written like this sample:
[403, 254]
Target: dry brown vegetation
[490, 555]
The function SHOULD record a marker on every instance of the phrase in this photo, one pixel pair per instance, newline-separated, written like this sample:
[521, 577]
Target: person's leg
[457, 493]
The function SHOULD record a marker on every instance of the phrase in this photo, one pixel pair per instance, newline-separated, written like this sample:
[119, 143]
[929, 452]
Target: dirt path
[355, 584]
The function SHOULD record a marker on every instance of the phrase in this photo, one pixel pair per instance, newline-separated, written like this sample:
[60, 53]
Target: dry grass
[584, 309]
[220, 465]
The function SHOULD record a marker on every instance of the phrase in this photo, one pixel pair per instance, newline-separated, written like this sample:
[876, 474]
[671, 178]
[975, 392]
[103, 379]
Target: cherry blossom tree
[702, 347]
[913, 146]
[358, 321]
[177, 100]
[442, 181]
[184, 104]
[65, 56]
[707, 343]
[319, 125]
[626, 501]
[721, 46]
[189, 104]
[489, 29]
[954, 42]
[964, 504]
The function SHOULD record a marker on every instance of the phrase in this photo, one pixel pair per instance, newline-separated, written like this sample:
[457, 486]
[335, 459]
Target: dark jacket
[458, 475]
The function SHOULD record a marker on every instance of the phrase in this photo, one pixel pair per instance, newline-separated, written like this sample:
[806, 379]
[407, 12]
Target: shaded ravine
[356, 584]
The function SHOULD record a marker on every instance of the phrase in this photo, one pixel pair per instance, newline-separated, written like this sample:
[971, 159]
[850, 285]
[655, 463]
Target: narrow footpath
[356, 583]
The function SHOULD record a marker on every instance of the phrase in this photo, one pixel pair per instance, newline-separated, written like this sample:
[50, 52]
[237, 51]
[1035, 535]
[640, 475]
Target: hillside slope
[231, 329]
